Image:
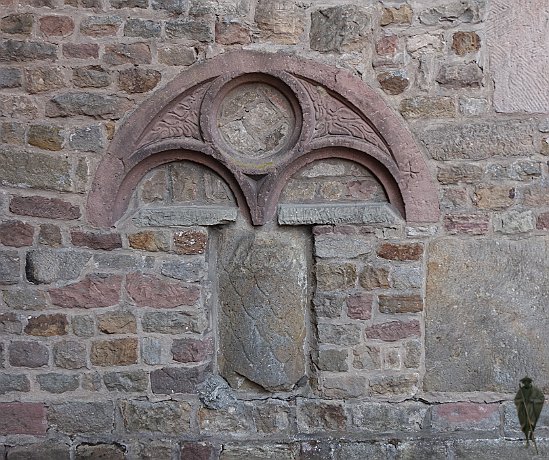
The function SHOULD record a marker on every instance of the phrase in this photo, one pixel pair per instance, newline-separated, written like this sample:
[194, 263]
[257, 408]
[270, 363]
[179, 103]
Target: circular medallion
[256, 120]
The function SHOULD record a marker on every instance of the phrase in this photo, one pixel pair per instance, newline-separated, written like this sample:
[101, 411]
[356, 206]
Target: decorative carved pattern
[181, 120]
[333, 117]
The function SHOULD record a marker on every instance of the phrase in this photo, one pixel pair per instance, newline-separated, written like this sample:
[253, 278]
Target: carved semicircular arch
[255, 118]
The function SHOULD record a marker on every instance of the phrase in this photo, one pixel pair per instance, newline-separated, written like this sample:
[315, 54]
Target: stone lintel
[184, 216]
[337, 213]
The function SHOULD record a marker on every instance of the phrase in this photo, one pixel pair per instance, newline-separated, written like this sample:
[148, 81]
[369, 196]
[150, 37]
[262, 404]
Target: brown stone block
[43, 79]
[23, 418]
[150, 291]
[135, 80]
[459, 173]
[199, 450]
[494, 197]
[395, 251]
[148, 241]
[320, 416]
[93, 292]
[393, 81]
[465, 416]
[400, 303]
[47, 325]
[117, 322]
[81, 50]
[50, 235]
[359, 306]
[45, 137]
[15, 233]
[542, 222]
[92, 76]
[38, 206]
[428, 107]
[281, 21]
[332, 276]
[172, 417]
[192, 350]
[59, 26]
[28, 354]
[116, 352]
[169, 380]
[473, 224]
[465, 42]
[190, 242]
[460, 75]
[393, 331]
[100, 26]
[105, 241]
[19, 23]
[374, 277]
[231, 33]
[127, 53]
[394, 385]
[100, 451]
[397, 16]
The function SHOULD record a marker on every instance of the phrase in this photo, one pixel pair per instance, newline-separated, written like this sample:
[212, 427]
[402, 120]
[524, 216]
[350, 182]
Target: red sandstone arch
[340, 117]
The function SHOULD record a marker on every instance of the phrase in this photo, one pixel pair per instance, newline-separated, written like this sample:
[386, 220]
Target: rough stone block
[320, 416]
[468, 311]
[407, 278]
[390, 385]
[12, 133]
[513, 222]
[117, 322]
[199, 450]
[460, 76]
[94, 291]
[263, 451]
[280, 21]
[25, 51]
[10, 77]
[92, 76]
[38, 206]
[386, 418]
[13, 382]
[173, 322]
[465, 42]
[100, 451]
[452, 12]
[191, 29]
[404, 251]
[19, 23]
[24, 169]
[49, 265]
[473, 105]
[344, 386]
[373, 277]
[9, 267]
[23, 418]
[465, 416]
[176, 55]
[428, 107]
[192, 350]
[12, 106]
[332, 359]
[57, 26]
[400, 304]
[47, 325]
[339, 334]
[70, 354]
[185, 271]
[83, 325]
[151, 291]
[100, 26]
[328, 305]
[480, 140]
[25, 299]
[58, 383]
[105, 241]
[81, 50]
[115, 352]
[459, 173]
[337, 246]
[473, 224]
[128, 381]
[10, 323]
[494, 449]
[90, 104]
[334, 276]
[167, 417]
[359, 306]
[236, 419]
[135, 80]
[151, 350]
[169, 380]
[86, 139]
[142, 28]
[41, 451]
[190, 242]
[148, 241]
[232, 32]
[393, 81]
[396, 15]
[393, 331]
[494, 197]
[127, 53]
[28, 354]
[16, 233]
[340, 28]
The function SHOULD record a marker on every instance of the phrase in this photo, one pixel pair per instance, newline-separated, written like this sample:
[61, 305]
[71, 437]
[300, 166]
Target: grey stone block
[185, 216]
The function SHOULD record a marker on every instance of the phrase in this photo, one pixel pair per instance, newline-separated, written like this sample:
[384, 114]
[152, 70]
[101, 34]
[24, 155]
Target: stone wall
[340, 327]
